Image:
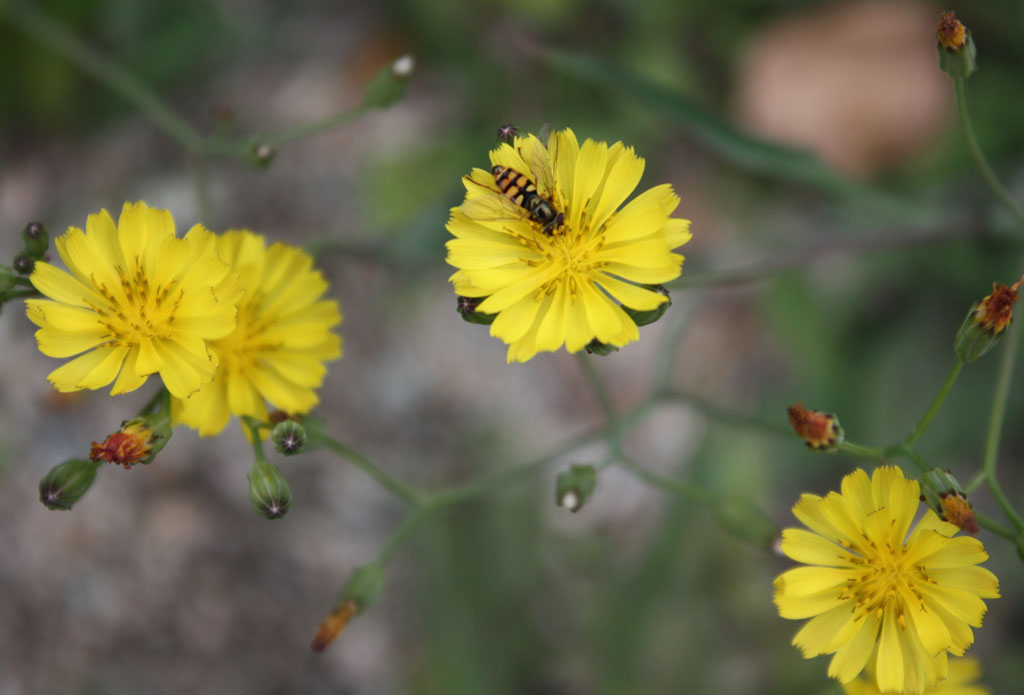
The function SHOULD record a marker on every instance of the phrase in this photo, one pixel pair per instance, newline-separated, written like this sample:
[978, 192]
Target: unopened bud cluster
[36, 241]
[820, 431]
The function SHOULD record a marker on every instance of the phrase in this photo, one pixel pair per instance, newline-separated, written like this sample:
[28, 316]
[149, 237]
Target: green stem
[995, 423]
[906, 452]
[254, 437]
[687, 491]
[597, 384]
[719, 414]
[990, 524]
[23, 281]
[153, 402]
[385, 479]
[936, 404]
[19, 294]
[41, 27]
[978, 156]
[412, 520]
[867, 452]
[977, 480]
[300, 132]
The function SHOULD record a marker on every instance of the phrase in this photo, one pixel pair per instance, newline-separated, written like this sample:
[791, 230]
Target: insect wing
[493, 206]
[535, 153]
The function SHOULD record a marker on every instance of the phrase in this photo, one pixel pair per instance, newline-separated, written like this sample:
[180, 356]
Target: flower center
[885, 579]
[242, 347]
[134, 310]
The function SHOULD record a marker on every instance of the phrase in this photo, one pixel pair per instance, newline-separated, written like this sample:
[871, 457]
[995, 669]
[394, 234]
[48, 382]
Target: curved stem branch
[979, 157]
[385, 479]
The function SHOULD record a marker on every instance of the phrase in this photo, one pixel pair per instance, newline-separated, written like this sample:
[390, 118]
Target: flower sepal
[596, 347]
[646, 318]
[466, 306]
[942, 492]
[958, 56]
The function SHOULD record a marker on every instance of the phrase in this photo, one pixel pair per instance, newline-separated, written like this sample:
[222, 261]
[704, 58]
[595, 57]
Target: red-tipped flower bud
[361, 590]
[958, 56]
[986, 322]
[138, 441]
[820, 431]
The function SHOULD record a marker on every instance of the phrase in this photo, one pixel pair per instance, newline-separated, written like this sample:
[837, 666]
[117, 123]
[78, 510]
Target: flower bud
[289, 437]
[644, 318]
[986, 322]
[67, 483]
[574, 487]
[958, 56]
[6, 279]
[596, 347]
[466, 306]
[742, 518]
[24, 264]
[361, 590]
[138, 441]
[268, 491]
[820, 431]
[388, 86]
[260, 154]
[36, 239]
[943, 494]
[507, 133]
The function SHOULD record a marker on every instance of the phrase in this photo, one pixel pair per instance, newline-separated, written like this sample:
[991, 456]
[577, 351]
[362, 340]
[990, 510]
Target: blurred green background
[163, 580]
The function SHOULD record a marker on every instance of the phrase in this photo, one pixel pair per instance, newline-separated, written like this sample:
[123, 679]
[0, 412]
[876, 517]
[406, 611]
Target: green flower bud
[986, 323]
[388, 86]
[596, 347]
[24, 263]
[6, 279]
[67, 483]
[742, 518]
[36, 239]
[466, 306]
[644, 318]
[260, 154]
[574, 487]
[268, 491]
[289, 437]
[958, 56]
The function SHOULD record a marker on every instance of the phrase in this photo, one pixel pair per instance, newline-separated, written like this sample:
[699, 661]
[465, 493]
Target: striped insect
[507, 194]
[518, 188]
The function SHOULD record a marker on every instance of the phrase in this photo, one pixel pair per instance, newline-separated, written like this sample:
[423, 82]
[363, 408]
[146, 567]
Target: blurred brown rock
[857, 82]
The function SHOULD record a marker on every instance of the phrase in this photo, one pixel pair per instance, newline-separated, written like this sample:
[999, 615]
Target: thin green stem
[661, 375]
[385, 479]
[906, 452]
[23, 281]
[279, 137]
[978, 156]
[201, 186]
[412, 521]
[936, 404]
[153, 402]
[41, 27]
[977, 480]
[254, 437]
[687, 491]
[990, 524]
[995, 423]
[719, 414]
[867, 452]
[597, 384]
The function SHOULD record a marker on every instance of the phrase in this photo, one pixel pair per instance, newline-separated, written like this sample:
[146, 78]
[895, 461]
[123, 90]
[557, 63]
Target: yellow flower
[960, 681]
[873, 592]
[282, 339]
[562, 274]
[138, 301]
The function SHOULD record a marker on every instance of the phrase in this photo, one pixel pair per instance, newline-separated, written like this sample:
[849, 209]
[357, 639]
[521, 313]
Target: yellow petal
[634, 297]
[817, 635]
[95, 369]
[813, 549]
[852, 656]
[590, 168]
